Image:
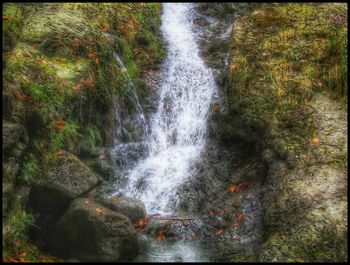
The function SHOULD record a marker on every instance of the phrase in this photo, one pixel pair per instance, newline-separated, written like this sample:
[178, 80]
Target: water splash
[178, 128]
[139, 121]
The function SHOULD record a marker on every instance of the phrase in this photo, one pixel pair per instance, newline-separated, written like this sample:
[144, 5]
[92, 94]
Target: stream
[152, 168]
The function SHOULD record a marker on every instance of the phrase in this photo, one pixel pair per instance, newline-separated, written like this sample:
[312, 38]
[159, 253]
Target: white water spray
[178, 128]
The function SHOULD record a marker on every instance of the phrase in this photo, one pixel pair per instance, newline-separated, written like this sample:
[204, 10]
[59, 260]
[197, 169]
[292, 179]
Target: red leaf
[20, 96]
[59, 153]
[219, 232]
[160, 236]
[141, 224]
[234, 188]
[59, 124]
[234, 225]
[239, 217]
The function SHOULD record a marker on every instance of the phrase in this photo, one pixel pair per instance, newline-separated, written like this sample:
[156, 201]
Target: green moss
[281, 55]
[62, 67]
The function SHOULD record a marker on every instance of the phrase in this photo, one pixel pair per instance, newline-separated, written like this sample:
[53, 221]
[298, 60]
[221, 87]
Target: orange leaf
[219, 232]
[5, 17]
[98, 210]
[194, 234]
[160, 236]
[87, 202]
[20, 96]
[23, 254]
[212, 213]
[234, 67]
[240, 217]
[140, 224]
[234, 225]
[234, 188]
[10, 259]
[59, 124]
[76, 89]
[59, 153]
[314, 140]
[92, 54]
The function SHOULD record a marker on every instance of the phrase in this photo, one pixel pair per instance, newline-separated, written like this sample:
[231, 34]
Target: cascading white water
[177, 129]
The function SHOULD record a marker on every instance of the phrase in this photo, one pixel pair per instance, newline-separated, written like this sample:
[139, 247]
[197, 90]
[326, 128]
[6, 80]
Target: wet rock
[11, 132]
[132, 208]
[71, 177]
[90, 232]
[99, 160]
[66, 180]
[155, 227]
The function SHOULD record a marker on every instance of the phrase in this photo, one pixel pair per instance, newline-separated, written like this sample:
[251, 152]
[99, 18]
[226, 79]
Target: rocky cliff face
[277, 99]
[61, 84]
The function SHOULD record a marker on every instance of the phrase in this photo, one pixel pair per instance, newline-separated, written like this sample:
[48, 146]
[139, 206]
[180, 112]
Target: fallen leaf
[314, 140]
[20, 96]
[98, 210]
[240, 217]
[234, 225]
[92, 54]
[212, 213]
[219, 232]
[234, 188]
[141, 224]
[193, 234]
[234, 67]
[87, 202]
[59, 124]
[5, 17]
[234, 237]
[10, 259]
[59, 153]
[160, 236]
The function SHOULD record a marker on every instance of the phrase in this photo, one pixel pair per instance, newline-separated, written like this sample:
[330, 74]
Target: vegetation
[59, 67]
[281, 55]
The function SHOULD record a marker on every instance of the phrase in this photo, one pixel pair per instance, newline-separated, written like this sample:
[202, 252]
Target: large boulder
[90, 232]
[51, 194]
[69, 177]
[132, 208]
[10, 133]
[15, 139]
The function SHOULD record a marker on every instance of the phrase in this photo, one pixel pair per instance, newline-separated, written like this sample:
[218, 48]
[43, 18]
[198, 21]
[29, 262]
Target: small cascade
[177, 131]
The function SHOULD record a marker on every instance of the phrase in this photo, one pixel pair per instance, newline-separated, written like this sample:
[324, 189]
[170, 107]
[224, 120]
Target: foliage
[59, 62]
[30, 168]
[281, 55]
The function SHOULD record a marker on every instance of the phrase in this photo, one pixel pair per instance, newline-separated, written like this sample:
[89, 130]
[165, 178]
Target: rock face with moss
[284, 96]
[90, 232]
[61, 87]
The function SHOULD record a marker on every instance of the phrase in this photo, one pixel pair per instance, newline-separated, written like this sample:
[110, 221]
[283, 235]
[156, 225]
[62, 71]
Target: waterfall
[178, 128]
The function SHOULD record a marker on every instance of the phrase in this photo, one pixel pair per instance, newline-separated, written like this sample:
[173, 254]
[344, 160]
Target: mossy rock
[132, 208]
[90, 232]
